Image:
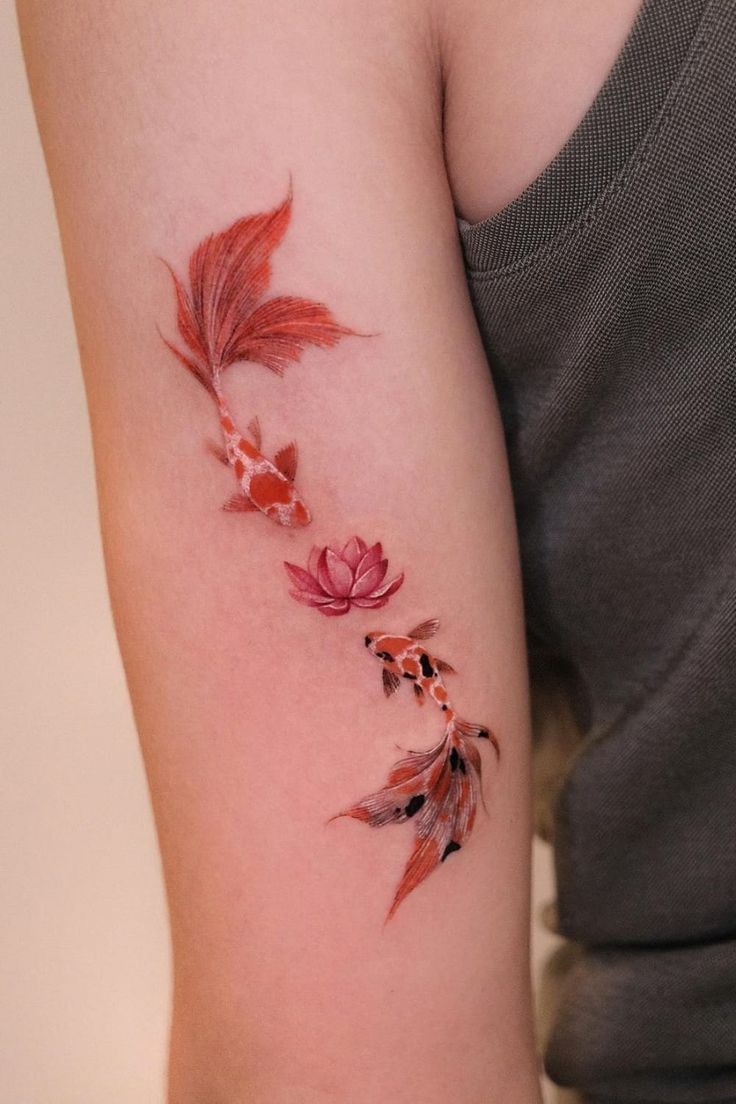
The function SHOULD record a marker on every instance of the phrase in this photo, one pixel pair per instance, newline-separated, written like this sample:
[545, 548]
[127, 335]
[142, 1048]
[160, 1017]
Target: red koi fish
[436, 789]
[265, 486]
[222, 318]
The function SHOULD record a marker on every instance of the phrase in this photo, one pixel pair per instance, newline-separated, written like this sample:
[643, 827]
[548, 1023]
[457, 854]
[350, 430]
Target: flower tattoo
[225, 315]
[338, 578]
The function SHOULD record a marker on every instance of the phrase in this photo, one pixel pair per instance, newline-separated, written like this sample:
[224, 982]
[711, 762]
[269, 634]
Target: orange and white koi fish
[222, 318]
[265, 486]
[436, 789]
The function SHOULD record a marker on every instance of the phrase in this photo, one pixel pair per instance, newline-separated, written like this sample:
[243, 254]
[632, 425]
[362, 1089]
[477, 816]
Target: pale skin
[258, 718]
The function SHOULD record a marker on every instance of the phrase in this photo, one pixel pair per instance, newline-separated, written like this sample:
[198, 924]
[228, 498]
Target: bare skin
[519, 77]
[258, 719]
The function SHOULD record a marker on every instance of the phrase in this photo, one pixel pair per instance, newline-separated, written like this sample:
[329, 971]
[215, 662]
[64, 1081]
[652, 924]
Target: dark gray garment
[606, 297]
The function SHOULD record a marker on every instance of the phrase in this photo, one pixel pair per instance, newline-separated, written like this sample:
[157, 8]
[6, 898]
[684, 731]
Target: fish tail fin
[228, 274]
[438, 791]
[479, 732]
[270, 331]
[224, 316]
[203, 375]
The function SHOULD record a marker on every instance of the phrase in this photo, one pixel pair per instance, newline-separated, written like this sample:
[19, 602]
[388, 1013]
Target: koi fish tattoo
[222, 318]
[436, 789]
[338, 578]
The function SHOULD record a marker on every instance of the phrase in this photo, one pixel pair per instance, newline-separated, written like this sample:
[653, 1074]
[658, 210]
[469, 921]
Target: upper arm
[260, 718]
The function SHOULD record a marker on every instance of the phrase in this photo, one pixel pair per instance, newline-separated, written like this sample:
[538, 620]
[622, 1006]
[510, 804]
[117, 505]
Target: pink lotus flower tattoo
[338, 578]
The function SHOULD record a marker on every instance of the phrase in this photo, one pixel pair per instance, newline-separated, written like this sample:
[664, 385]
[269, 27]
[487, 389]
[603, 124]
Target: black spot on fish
[444, 708]
[414, 805]
[452, 846]
[368, 642]
[386, 656]
[454, 759]
[427, 668]
[483, 734]
[407, 674]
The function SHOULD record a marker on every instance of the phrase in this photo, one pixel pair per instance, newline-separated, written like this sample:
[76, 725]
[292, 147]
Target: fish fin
[286, 461]
[418, 693]
[480, 732]
[254, 428]
[278, 330]
[447, 816]
[239, 503]
[218, 452]
[424, 630]
[391, 682]
[405, 791]
[229, 273]
[190, 364]
[222, 317]
[444, 667]
[438, 791]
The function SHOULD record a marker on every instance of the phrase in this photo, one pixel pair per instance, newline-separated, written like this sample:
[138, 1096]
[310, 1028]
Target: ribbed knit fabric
[606, 297]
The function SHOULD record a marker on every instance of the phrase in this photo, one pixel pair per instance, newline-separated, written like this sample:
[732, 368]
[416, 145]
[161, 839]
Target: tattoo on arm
[224, 317]
[338, 578]
[437, 789]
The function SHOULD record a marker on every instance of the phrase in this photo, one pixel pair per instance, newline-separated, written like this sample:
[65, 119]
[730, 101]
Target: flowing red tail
[223, 318]
[438, 791]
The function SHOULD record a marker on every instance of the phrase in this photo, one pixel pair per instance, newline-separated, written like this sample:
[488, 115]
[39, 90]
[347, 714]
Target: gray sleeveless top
[606, 297]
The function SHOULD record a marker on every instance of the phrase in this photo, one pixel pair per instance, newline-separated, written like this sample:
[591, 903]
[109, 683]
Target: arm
[260, 716]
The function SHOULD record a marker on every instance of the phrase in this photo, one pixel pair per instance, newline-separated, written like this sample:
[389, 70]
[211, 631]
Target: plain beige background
[84, 970]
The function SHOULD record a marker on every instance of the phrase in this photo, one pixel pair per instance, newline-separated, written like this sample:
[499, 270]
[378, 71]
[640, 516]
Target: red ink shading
[222, 317]
[436, 789]
[338, 578]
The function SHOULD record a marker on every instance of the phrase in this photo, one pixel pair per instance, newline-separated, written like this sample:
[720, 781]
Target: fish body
[407, 658]
[436, 789]
[264, 484]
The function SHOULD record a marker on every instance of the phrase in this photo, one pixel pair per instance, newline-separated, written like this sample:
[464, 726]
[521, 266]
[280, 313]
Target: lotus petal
[313, 561]
[371, 557]
[335, 575]
[336, 608]
[304, 579]
[310, 599]
[353, 552]
[389, 588]
[366, 583]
